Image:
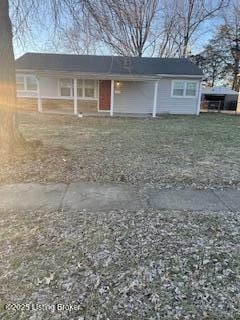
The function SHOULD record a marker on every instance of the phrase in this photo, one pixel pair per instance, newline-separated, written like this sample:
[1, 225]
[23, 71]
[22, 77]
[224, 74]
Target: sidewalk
[97, 197]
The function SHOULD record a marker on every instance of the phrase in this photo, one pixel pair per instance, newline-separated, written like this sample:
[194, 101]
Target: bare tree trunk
[235, 84]
[213, 82]
[125, 27]
[185, 47]
[191, 4]
[188, 17]
[7, 80]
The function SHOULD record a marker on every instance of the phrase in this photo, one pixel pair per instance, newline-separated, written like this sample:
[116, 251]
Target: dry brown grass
[147, 264]
[171, 150]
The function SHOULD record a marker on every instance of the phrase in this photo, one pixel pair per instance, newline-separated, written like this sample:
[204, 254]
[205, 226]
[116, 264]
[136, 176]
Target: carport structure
[219, 98]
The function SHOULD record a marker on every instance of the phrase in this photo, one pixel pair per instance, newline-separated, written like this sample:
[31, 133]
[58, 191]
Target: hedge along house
[111, 84]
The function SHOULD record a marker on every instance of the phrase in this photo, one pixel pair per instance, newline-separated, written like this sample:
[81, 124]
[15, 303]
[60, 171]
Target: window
[191, 89]
[80, 88]
[66, 87]
[31, 83]
[20, 82]
[89, 87]
[26, 83]
[86, 89]
[178, 88]
[184, 88]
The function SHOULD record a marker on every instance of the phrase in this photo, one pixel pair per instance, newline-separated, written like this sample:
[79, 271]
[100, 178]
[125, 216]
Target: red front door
[104, 94]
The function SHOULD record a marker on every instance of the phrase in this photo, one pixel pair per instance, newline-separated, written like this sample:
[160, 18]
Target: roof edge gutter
[106, 75]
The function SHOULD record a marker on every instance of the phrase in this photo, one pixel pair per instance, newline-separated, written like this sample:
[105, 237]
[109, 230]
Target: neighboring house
[115, 85]
[221, 98]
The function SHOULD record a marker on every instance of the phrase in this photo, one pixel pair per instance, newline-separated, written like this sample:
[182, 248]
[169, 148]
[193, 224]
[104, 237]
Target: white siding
[48, 87]
[175, 105]
[137, 97]
[134, 97]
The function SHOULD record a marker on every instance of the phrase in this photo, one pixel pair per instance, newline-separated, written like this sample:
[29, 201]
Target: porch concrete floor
[100, 114]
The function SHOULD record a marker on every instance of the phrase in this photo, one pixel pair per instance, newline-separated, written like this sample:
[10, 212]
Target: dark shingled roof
[106, 64]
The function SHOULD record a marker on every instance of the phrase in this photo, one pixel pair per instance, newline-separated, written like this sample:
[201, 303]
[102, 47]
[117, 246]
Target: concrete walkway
[95, 196]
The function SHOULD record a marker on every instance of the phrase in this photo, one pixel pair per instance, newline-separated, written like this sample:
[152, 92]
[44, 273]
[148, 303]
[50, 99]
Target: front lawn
[120, 265]
[123, 264]
[171, 150]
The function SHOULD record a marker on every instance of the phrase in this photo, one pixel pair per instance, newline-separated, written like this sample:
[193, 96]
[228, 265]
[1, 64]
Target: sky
[43, 43]
[41, 38]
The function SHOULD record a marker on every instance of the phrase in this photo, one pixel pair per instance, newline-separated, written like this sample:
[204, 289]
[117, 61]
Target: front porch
[75, 96]
[78, 96]
[58, 106]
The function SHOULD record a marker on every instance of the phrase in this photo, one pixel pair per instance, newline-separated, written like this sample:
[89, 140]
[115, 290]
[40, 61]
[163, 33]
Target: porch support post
[39, 99]
[238, 103]
[75, 102]
[155, 99]
[199, 97]
[112, 98]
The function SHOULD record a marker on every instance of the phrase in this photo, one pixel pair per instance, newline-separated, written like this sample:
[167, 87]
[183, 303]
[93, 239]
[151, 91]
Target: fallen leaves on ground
[122, 264]
[168, 151]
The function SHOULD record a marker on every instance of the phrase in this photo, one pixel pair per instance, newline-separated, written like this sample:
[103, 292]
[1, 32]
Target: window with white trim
[20, 82]
[26, 83]
[31, 83]
[184, 88]
[66, 87]
[178, 88]
[89, 88]
[191, 89]
[80, 88]
[86, 89]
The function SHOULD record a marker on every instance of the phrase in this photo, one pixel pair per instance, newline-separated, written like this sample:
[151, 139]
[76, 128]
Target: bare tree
[211, 62]
[183, 19]
[22, 14]
[220, 58]
[170, 31]
[78, 40]
[79, 37]
[228, 39]
[125, 26]
[7, 78]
